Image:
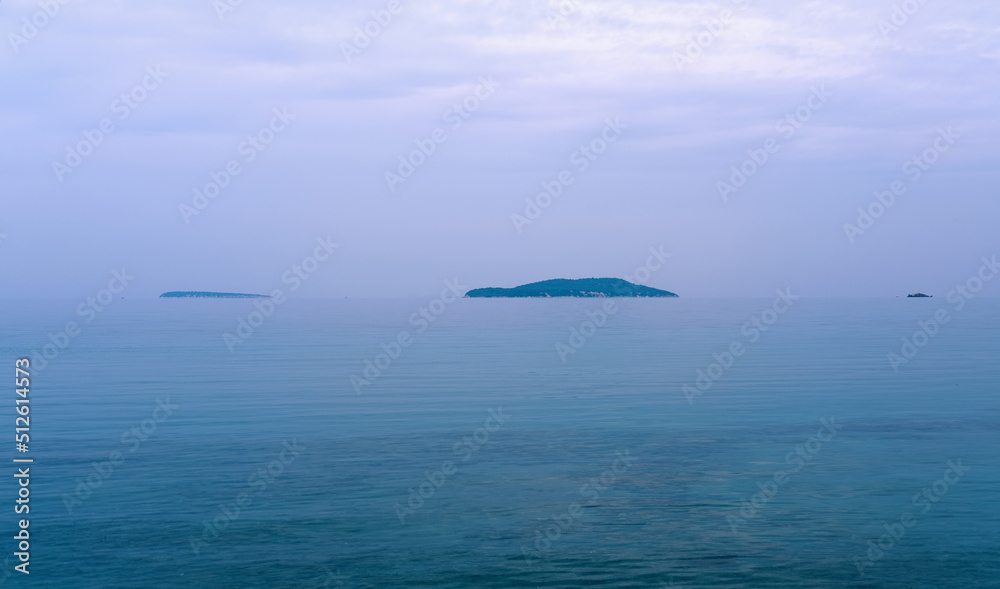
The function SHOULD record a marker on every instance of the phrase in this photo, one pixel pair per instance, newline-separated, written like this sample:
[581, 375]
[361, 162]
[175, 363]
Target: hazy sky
[694, 86]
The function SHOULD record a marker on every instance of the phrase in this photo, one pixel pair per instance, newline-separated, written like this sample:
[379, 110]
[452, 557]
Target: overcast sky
[692, 85]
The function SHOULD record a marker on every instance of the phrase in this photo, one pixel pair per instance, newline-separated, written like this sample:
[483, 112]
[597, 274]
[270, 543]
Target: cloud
[564, 65]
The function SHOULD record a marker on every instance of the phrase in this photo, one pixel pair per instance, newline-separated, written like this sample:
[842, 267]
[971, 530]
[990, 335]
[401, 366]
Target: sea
[622, 443]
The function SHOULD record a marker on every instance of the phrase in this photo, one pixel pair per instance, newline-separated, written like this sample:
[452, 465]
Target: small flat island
[919, 295]
[188, 294]
[585, 287]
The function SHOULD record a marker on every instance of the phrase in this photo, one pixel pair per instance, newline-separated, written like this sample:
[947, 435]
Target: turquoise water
[602, 472]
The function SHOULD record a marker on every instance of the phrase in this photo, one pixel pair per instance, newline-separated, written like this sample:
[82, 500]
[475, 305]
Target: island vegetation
[585, 287]
[183, 294]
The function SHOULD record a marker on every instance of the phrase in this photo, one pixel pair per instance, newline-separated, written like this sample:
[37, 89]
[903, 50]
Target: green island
[562, 287]
[185, 294]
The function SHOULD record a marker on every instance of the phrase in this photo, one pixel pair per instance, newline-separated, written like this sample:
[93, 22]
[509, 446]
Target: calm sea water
[603, 473]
